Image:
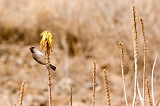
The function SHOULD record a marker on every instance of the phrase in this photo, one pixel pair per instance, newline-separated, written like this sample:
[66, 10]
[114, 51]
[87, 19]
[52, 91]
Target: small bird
[39, 57]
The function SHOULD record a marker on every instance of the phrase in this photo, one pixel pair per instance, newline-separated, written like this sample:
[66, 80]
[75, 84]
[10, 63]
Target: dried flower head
[47, 40]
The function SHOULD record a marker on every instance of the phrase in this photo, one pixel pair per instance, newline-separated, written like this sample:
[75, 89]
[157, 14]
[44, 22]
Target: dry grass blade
[152, 89]
[122, 65]
[144, 56]
[94, 84]
[107, 88]
[22, 93]
[135, 51]
[149, 93]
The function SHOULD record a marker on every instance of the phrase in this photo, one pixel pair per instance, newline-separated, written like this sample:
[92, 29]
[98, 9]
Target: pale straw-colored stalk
[122, 70]
[135, 52]
[152, 88]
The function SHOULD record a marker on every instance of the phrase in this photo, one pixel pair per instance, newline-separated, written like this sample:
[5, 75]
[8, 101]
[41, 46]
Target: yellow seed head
[46, 41]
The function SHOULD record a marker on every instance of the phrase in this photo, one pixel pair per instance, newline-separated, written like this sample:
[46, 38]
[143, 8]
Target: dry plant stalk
[158, 102]
[49, 76]
[139, 94]
[22, 93]
[106, 87]
[135, 51]
[94, 84]
[149, 93]
[71, 94]
[122, 68]
[144, 56]
[46, 44]
[152, 89]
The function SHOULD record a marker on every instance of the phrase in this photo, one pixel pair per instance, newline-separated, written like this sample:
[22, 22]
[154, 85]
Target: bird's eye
[31, 49]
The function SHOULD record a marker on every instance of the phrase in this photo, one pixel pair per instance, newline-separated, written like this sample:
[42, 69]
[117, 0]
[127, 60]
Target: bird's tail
[53, 67]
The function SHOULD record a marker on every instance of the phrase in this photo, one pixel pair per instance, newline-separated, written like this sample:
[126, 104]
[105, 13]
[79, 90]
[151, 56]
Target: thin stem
[139, 93]
[149, 93]
[135, 52]
[49, 74]
[71, 94]
[152, 89]
[144, 62]
[94, 84]
[22, 93]
[122, 65]
[46, 44]
[106, 88]
[158, 102]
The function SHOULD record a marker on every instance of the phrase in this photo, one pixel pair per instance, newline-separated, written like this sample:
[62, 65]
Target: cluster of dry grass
[84, 31]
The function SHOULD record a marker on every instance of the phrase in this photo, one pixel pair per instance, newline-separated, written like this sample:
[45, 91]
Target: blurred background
[84, 31]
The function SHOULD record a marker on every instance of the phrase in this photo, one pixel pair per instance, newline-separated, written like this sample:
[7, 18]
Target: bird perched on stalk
[39, 57]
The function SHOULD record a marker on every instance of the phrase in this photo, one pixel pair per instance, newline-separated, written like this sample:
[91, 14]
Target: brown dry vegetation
[84, 31]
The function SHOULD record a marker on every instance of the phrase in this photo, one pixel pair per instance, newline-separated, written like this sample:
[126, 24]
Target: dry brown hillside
[84, 31]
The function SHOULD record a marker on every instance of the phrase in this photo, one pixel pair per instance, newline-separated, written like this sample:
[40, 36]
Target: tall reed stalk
[22, 93]
[122, 70]
[106, 87]
[94, 84]
[46, 44]
[135, 52]
[144, 57]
